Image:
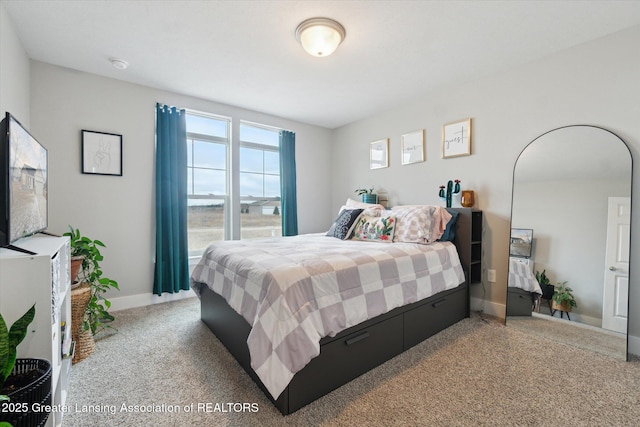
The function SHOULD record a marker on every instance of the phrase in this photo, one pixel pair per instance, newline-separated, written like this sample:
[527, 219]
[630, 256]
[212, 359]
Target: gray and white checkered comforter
[521, 277]
[294, 291]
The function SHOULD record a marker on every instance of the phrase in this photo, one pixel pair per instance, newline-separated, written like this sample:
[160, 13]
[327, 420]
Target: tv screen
[521, 242]
[23, 182]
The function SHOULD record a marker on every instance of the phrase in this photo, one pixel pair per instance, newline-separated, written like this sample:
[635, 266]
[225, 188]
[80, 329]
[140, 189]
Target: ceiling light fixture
[320, 36]
[119, 64]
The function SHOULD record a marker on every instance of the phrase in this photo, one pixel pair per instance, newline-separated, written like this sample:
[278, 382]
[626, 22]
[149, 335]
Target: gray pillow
[343, 225]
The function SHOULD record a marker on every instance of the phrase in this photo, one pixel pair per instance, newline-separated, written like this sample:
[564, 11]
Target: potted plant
[23, 382]
[545, 284]
[563, 298]
[96, 314]
[367, 195]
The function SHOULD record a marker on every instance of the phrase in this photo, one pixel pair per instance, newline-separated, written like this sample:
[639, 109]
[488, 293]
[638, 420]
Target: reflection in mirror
[572, 188]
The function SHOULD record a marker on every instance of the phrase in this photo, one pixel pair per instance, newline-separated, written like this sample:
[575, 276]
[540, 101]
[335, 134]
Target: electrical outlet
[491, 276]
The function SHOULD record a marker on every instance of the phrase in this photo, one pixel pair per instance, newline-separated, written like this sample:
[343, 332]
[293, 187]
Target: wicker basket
[84, 342]
[39, 391]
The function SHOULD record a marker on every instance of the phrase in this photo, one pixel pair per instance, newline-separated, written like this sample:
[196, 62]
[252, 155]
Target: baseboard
[633, 346]
[488, 307]
[140, 300]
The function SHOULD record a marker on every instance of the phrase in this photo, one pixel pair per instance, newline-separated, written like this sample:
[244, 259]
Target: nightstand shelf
[469, 227]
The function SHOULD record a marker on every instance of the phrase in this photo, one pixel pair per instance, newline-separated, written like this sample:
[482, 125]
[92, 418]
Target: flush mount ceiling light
[320, 36]
[119, 63]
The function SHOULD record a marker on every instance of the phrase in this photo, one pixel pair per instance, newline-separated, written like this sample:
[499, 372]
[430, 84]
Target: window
[208, 139]
[259, 181]
[214, 205]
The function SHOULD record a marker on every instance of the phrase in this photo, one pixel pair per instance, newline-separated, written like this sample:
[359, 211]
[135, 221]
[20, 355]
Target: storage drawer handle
[354, 340]
[439, 302]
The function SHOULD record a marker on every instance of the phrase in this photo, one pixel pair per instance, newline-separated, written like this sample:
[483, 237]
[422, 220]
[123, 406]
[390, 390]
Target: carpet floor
[165, 368]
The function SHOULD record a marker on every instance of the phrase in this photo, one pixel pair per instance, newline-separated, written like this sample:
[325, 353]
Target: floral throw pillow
[375, 229]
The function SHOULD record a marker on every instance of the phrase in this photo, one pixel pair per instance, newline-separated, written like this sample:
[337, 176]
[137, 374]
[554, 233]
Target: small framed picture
[413, 147]
[379, 154]
[101, 153]
[456, 139]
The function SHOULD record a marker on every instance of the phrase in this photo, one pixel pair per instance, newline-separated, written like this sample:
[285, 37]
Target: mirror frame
[513, 176]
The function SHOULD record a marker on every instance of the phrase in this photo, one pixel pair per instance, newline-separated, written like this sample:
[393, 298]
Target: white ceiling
[244, 53]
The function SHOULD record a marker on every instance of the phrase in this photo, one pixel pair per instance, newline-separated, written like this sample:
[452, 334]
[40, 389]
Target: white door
[616, 276]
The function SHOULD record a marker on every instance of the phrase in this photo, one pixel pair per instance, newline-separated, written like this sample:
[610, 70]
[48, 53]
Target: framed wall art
[379, 154]
[101, 153]
[456, 139]
[413, 147]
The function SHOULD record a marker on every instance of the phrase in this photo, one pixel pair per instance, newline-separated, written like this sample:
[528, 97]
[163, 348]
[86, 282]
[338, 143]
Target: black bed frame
[356, 350]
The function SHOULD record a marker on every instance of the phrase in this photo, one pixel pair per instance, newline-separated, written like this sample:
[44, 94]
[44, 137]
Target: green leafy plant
[96, 315]
[361, 191]
[545, 284]
[542, 278]
[563, 295]
[9, 340]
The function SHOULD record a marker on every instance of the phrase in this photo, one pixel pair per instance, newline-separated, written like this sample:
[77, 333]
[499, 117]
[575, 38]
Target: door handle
[612, 268]
[355, 339]
[437, 303]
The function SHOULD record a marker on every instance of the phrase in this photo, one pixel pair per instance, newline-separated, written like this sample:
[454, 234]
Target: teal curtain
[289, 200]
[172, 255]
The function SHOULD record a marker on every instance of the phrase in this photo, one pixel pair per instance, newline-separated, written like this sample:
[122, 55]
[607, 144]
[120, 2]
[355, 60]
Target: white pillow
[370, 209]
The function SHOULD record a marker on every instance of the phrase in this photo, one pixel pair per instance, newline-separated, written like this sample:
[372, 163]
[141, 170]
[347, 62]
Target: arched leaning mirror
[570, 225]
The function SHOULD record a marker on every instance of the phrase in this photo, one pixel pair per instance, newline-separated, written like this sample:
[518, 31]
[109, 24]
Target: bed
[523, 290]
[302, 325]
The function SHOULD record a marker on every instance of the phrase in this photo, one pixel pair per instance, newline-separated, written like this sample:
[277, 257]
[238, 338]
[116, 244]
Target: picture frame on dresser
[521, 242]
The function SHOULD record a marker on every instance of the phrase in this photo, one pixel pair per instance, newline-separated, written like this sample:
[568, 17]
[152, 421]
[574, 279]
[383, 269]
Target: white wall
[14, 72]
[594, 83]
[120, 210]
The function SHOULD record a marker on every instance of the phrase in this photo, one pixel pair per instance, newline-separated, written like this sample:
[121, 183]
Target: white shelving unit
[42, 279]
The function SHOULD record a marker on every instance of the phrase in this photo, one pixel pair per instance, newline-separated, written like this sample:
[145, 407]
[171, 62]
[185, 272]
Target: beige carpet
[477, 372]
[566, 331]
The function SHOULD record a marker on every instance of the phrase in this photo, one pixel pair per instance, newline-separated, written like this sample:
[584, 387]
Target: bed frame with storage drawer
[363, 346]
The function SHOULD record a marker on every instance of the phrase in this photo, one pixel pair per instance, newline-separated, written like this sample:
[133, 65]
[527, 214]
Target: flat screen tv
[521, 242]
[23, 183]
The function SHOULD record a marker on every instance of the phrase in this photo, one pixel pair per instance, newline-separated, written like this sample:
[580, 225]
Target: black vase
[547, 291]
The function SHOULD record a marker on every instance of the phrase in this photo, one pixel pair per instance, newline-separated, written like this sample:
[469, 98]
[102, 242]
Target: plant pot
[547, 291]
[85, 344]
[564, 306]
[370, 198]
[76, 265]
[29, 383]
